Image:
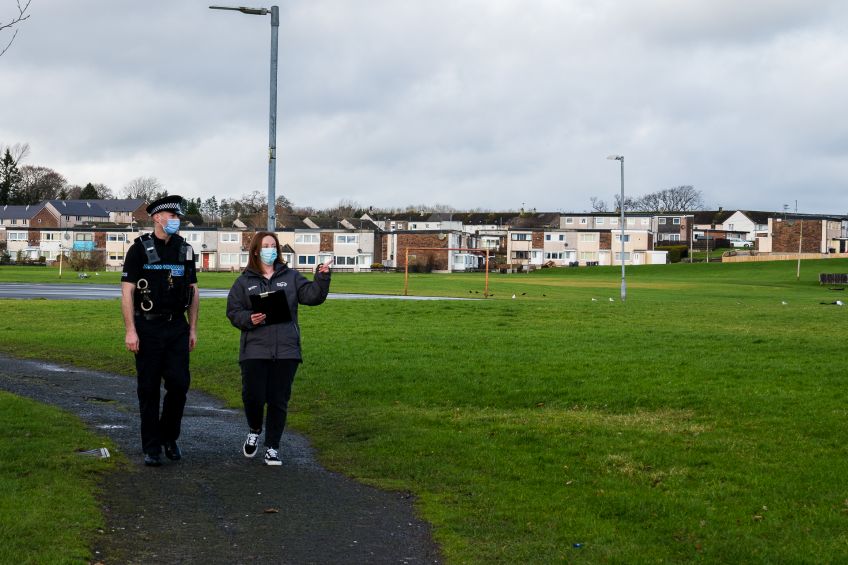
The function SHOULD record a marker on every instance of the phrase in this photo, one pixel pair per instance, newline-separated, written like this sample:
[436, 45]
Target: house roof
[543, 220]
[79, 207]
[20, 212]
[121, 204]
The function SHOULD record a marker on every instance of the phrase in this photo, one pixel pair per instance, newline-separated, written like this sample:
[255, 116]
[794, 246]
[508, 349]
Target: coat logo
[252, 287]
[282, 284]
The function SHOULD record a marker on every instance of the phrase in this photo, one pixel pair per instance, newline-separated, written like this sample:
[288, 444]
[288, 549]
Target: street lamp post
[272, 120]
[621, 207]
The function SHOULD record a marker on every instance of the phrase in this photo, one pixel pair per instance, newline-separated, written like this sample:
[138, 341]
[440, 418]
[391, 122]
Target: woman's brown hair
[254, 263]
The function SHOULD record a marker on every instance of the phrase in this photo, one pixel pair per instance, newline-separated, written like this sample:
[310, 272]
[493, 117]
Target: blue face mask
[268, 255]
[172, 226]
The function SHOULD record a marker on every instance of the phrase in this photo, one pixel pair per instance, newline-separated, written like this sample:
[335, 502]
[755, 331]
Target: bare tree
[40, 183]
[142, 188]
[344, 209]
[598, 205]
[103, 191]
[683, 198]
[18, 151]
[21, 16]
[630, 204]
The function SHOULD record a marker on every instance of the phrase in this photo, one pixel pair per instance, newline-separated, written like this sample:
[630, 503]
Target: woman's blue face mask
[268, 255]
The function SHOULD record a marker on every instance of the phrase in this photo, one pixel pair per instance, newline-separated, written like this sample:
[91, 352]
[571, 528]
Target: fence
[740, 258]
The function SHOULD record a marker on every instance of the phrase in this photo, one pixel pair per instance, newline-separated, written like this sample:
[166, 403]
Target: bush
[87, 260]
[675, 252]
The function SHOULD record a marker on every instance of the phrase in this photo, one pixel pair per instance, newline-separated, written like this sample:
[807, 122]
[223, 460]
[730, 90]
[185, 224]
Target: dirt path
[215, 506]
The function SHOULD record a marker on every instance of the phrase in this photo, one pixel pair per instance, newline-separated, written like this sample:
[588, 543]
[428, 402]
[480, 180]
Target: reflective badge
[189, 253]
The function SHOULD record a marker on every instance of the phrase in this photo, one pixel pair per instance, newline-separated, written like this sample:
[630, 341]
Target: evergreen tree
[89, 193]
[193, 206]
[10, 178]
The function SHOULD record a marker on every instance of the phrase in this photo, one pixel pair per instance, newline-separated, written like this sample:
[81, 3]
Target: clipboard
[273, 304]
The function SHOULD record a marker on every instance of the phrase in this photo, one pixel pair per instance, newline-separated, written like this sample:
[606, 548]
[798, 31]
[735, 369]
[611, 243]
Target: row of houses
[440, 242]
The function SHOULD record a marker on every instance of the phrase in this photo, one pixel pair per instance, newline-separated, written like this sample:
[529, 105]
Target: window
[17, 236]
[646, 221]
[520, 237]
[588, 237]
[618, 237]
[547, 237]
[346, 238]
[49, 236]
[554, 255]
[14, 221]
[229, 259]
[227, 237]
[116, 237]
[661, 221]
[520, 254]
[342, 261]
[569, 220]
[673, 237]
[675, 221]
[584, 221]
[116, 256]
[613, 221]
[83, 237]
[562, 237]
[304, 260]
[192, 237]
[306, 238]
[618, 256]
[631, 221]
[599, 221]
[588, 256]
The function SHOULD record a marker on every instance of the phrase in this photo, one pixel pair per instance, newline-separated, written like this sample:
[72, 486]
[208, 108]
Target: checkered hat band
[166, 206]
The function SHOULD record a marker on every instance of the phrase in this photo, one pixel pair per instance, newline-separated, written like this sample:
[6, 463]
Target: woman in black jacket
[269, 351]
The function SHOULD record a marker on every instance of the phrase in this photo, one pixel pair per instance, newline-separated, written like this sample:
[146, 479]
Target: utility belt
[160, 317]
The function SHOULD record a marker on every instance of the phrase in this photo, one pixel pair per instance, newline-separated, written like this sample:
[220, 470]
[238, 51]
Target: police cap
[173, 203]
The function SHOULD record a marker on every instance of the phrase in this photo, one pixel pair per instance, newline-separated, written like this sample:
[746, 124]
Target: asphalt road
[102, 291]
[216, 506]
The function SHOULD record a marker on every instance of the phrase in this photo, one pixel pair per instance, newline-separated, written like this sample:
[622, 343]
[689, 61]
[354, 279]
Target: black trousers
[267, 381]
[162, 355]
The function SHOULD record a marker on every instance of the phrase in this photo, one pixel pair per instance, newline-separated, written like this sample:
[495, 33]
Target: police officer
[158, 287]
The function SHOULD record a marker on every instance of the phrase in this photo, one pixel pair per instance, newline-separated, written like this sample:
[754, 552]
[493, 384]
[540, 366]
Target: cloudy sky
[475, 104]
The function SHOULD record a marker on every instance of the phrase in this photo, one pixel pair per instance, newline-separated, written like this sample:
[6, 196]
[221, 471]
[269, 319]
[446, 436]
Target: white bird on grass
[513, 296]
[612, 299]
[784, 302]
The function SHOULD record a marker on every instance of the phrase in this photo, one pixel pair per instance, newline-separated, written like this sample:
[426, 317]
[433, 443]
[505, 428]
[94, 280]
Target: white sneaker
[249, 447]
[271, 457]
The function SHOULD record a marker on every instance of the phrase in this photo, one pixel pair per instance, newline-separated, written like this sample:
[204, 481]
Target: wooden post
[486, 290]
[406, 273]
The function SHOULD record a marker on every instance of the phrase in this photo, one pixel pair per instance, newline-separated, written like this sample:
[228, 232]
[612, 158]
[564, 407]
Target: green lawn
[702, 420]
[48, 513]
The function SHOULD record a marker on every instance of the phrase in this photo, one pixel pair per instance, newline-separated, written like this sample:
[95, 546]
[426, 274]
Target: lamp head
[615, 157]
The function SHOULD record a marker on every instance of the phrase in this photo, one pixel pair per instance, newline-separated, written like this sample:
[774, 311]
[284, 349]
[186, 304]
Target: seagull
[612, 299]
[513, 296]
[840, 303]
[784, 302]
[594, 300]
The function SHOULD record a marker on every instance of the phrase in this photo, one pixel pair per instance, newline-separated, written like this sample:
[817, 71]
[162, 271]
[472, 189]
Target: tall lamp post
[272, 121]
[621, 207]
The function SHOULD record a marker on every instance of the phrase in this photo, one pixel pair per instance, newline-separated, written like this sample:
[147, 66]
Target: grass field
[48, 513]
[702, 420]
